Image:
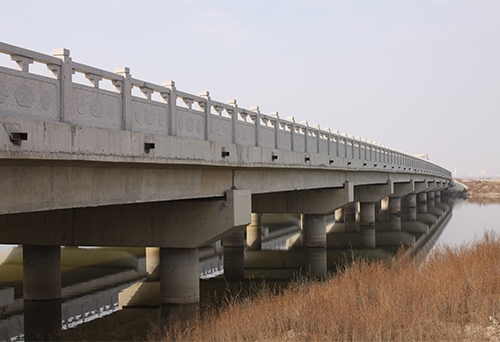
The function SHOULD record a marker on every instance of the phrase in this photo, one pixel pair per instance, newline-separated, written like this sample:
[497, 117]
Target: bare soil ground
[482, 188]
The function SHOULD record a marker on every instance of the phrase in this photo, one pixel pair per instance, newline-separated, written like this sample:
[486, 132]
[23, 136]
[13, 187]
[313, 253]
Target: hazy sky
[419, 76]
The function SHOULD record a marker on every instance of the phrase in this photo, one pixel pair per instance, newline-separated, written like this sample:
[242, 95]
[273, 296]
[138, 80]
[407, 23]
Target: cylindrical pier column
[316, 262]
[395, 212]
[422, 203]
[234, 255]
[314, 241]
[153, 263]
[378, 209]
[437, 196]
[254, 233]
[411, 207]
[367, 224]
[179, 281]
[350, 217]
[339, 215]
[42, 292]
[314, 230]
[431, 199]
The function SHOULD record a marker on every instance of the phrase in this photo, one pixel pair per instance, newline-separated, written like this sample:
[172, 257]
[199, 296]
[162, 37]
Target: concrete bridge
[123, 162]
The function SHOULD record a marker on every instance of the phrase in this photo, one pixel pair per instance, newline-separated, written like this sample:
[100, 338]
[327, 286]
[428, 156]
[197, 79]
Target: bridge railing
[163, 109]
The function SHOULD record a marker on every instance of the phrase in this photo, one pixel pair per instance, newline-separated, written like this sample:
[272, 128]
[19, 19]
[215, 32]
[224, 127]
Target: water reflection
[471, 219]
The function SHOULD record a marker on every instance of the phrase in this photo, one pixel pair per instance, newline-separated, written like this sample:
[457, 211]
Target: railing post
[172, 107]
[234, 118]
[306, 135]
[317, 138]
[292, 131]
[65, 78]
[276, 128]
[125, 88]
[207, 107]
[257, 124]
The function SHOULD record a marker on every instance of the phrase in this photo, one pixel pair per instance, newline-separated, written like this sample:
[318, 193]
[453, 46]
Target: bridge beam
[175, 224]
[318, 201]
[373, 193]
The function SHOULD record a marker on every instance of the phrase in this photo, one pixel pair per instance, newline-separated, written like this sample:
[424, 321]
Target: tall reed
[450, 296]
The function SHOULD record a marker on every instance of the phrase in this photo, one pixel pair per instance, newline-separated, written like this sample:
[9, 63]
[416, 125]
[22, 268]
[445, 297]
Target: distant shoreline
[482, 188]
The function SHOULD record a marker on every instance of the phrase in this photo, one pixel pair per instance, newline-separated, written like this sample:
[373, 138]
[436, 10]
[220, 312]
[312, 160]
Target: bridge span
[124, 162]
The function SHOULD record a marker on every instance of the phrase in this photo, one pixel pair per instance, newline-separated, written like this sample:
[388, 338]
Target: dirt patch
[483, 190]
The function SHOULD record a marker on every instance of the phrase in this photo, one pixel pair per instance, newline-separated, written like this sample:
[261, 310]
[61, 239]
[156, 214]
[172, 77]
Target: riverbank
[483, 190]
[450, 297]
[482, 187]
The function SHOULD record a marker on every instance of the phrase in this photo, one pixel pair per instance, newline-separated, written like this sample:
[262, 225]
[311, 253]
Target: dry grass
[449, 297]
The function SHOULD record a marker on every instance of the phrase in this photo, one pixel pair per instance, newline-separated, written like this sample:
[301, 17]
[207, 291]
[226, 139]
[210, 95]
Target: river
[470, 220]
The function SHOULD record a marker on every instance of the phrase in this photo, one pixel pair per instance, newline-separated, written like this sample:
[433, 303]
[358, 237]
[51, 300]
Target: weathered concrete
[254, 233]
[314, 231]
[179, 224]
[41, 272]
[367, 225]
[350, 211]
[179, 276]
[319, 201]
[395, 212]
[234, 255]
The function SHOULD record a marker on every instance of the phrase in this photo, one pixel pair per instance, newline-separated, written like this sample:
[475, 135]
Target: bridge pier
[153, 263]
[179, 281]
[431, 199]
[254, 233]
[422, 203]
[411, 207]
[395, 213]
[42, 292]
[350, 216]
[314, 241]
[367, 225]
[234, 255]
[339, 215]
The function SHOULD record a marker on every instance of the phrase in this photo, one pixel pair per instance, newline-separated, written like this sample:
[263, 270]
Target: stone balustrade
[165, 110]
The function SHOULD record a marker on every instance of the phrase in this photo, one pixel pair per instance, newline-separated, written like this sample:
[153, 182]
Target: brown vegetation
[482, 188]
[449, 297]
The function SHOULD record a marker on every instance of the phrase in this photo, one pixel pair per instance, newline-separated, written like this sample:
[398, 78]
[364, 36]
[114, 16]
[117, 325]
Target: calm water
[470, 220]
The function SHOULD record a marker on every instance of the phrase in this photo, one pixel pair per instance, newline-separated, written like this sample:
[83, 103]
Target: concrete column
[42, 292]
[339, 215]
[385, 215]
[41, 272]
[314, 241]
[422, 203]
[153, 263]
[437, 196]
[179, 280]
[316, 262]
[314, 230]
[431, 199]
[395, 212]
[234, 256]
[411, 207]
[254, 233]
[350, 217]
[367, 225]
[378, 209]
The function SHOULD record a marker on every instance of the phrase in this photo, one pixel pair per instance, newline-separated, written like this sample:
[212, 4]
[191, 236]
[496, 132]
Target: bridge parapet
[165, 110]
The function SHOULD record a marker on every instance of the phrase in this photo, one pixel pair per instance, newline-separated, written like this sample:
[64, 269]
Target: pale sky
[419, 76]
